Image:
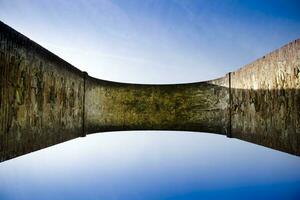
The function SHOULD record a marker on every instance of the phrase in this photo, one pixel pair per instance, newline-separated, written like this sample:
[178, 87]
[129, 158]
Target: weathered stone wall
[193, 107]
[41, 100]
[266, 100]
[45, 101]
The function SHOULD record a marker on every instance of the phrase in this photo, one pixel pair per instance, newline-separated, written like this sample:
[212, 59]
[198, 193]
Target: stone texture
[41, 96]
[113, 106]
[266, 100]
[45, 101]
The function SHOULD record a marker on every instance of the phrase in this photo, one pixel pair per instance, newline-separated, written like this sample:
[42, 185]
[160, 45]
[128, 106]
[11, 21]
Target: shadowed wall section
[41, 96]
[266, 100]
[45, 101]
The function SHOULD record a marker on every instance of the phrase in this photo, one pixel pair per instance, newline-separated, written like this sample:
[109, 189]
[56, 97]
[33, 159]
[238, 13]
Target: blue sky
[154, 41]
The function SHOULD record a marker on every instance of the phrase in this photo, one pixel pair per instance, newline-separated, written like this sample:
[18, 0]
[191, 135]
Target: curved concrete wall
[199, 106]
[45, 101]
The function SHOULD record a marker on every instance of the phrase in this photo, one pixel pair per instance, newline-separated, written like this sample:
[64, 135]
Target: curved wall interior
[46, 101]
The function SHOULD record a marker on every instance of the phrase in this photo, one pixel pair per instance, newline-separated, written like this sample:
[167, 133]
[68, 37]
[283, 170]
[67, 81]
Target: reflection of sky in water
[154, 41]
[151, 165]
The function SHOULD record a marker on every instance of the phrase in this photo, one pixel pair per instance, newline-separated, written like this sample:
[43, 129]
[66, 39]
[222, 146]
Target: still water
[152, 165]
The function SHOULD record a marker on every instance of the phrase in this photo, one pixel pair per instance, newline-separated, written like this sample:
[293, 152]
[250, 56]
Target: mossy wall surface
[199, 106]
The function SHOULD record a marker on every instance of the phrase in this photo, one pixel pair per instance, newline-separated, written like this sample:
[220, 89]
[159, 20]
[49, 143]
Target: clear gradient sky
[154, 41]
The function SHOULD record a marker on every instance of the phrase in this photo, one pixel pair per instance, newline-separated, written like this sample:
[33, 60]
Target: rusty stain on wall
[45, 101]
